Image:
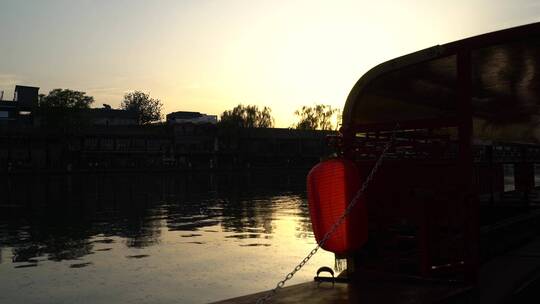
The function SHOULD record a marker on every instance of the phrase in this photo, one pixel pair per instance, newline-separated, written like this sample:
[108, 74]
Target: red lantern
[331, 185]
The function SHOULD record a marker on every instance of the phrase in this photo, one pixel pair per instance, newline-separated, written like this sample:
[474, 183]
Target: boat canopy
[502, 87]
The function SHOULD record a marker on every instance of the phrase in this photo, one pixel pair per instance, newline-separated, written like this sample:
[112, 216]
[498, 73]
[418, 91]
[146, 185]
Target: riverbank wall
[157, 147]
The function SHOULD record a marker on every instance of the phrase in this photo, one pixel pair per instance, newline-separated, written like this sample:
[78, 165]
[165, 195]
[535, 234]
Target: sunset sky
[209, 56]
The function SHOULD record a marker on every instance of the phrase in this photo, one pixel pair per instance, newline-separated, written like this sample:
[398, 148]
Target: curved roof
[505, 84]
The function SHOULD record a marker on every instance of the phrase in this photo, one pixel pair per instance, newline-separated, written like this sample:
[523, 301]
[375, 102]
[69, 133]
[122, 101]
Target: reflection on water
[152, 238]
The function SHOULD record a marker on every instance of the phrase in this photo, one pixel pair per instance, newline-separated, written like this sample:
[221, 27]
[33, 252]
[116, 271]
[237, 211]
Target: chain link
[335, 226]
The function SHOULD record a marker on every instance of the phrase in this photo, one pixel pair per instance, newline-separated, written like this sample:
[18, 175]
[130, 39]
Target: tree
[247, 117]
[147, 109]
[66, 99]
[318, 117]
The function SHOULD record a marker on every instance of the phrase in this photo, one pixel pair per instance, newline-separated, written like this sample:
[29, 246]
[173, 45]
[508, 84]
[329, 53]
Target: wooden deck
[511, 254]
[372, 288]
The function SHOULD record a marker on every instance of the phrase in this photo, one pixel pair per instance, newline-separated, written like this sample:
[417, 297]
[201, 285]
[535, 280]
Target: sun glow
[209, 56]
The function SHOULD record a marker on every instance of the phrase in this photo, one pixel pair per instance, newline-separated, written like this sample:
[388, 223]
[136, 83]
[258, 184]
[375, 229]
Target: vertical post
[424, 238]
[347, 140]
[465, 160]
[29, 147]
[492, 174]
[353, 262]
[10, 144]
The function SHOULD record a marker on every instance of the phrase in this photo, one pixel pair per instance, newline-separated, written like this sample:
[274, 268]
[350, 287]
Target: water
[151, 238]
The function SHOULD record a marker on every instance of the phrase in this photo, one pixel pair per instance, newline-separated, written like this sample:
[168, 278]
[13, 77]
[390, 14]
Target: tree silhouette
[66, 99]
[247, 117]
[318, 117]
[60, 108]
[147, 109]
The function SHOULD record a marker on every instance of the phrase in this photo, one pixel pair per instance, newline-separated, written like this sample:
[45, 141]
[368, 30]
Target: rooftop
[184, 115]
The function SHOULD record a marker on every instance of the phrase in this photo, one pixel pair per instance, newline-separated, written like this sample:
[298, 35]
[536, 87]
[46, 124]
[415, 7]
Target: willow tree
[249, 116]
[318, 117]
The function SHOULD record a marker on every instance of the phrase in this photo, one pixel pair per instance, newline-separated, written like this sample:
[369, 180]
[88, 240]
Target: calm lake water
[151, 238]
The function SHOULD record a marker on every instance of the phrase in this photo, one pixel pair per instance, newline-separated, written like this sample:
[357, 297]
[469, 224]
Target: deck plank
[309, 292]
[370, 289]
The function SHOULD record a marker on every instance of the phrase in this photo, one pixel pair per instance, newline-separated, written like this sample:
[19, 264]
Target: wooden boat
[443, 225]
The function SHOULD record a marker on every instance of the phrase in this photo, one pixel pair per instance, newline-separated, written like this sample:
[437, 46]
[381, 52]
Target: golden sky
[209, 56]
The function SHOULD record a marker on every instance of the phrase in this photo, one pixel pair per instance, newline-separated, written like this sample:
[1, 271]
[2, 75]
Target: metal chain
[335, 226]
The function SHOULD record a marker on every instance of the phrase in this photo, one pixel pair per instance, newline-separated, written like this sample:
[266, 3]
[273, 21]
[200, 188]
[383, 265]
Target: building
[182, 117]
[110, 117]
[20, 109]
